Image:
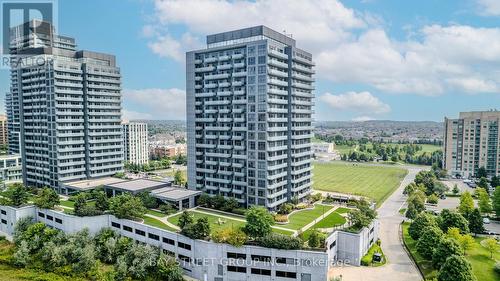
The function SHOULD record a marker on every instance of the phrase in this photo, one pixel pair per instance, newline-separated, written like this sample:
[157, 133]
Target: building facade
[472, 142]
[11, 170]
[249, 117]
[162, 151]
[135, 140]
[3, 130]
[64, 108]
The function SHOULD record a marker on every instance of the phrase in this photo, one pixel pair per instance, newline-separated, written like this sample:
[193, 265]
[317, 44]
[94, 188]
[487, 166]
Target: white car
[486, 220]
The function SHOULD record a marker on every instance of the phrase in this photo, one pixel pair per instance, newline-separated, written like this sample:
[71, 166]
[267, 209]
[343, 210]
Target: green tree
[82, 208]
[428, 241]
[432, 199]
[15, 195]
[101, 201]
[496, 201]
[167, 268]
[483, 183]
[481, 173]
[466, 243]
[455, 189]
[179, 178]
[259, 222]
[449, 219]
[445, 248]
[466, 203]
[421, 223]
[495, 181]
[456, 268]
[313, 240]
[358, 219]
[46, 198]
[491, 245]
[185, 219]
[126, 206]
[484, 201]
[411, 212]
[476, 222]
[147, 200]
[198, 230]
[232, 236]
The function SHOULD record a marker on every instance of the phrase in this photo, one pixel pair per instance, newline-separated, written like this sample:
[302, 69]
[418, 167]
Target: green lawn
[156, 223]
[299, 219]
[331, 220]
[344, 149]
[213, 219]
[155, 213]
[342, 210]
[478, 256]
[375, 182]
[429, 148]
[69, 204]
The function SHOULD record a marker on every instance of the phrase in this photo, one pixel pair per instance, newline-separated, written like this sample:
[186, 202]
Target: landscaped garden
[375, 182]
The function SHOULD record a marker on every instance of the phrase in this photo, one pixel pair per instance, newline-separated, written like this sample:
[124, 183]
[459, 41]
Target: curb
[402, 241]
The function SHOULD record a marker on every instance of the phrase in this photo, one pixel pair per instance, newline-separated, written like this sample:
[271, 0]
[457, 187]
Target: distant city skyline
[384, 60]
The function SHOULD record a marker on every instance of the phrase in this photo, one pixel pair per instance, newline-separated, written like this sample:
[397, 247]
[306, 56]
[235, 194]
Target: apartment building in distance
[249, 107]
[167, 150]
[472, 142]
[3, 130]
[10, 169]
[64, 108]
[135, 142]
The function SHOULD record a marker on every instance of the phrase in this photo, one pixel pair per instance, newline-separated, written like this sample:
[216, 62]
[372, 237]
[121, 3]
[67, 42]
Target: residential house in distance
[163, 151]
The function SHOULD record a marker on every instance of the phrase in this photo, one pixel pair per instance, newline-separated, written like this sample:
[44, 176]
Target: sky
[375, 59]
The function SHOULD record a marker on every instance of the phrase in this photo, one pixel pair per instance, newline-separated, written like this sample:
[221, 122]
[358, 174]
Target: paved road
[399, 266]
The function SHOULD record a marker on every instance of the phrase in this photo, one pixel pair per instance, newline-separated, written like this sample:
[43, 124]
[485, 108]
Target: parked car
[486, 220]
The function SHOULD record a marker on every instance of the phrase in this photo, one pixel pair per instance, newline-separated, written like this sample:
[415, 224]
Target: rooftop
[174, 193]
[138, 185]
[83, 185]
[261, 30]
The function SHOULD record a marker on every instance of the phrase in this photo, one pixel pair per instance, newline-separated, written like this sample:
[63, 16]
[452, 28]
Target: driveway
[399, 265]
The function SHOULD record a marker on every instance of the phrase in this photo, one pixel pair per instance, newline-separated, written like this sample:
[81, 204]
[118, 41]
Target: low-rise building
[323, 147]
[163, 151]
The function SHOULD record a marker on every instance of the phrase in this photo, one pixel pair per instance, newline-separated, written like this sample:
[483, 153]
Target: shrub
[285, 209]
[198, 230]
[301, 206]
[259, 222]
[432, 199]
[280, 218]
[126, 206]
[232, 236]
[167, 209]
[280, 241]
[240, 211]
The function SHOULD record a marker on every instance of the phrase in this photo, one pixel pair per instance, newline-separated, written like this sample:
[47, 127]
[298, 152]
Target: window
[259, 271]
[285, 260]
[239, 269]
[220, 269]
[154, 236]
[262, 69]
[168, 241]
[251, 61]
[333, 244]
[184, 246]
[42, 215]
[236, 256]
[286, 274]
[140, 232]
[184, 258]
[4, 212]
[115, 225]
[58, 220]
[127, 228]
[261, 258]
[262, 59]
[4, 221]
[50, 218]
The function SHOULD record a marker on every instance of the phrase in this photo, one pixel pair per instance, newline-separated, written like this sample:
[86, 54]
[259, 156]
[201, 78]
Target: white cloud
[348, 46]
[489, 7]
[362, 119]
[157, 103]
[134, 115]
[363, 102]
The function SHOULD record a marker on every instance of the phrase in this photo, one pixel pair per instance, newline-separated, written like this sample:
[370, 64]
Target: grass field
[331, 220]
[155, 213]
[156, 223]
[429, 148]
[299, 219]
[375, 182]
[70, 204]
[478, 256]
[213, 219]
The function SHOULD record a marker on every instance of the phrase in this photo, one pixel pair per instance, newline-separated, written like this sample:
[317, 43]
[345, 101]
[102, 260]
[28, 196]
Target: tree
[483, 183]
[167, 208]
[126, 206]
[167, 268]
[185, 219]
[466, 242]
[15, 195]
[259, 222]
[445, 248]
[421, 223]
[455, 189]
[198, 230]
[449, 219]
[101, 201]
[476, 222]
[484, 201]
[496, 201]
[466, 203]
[495, 181]
[454, 233]
[491, 245]
[46, 198]
[313, 240]
[358, 219]
[179, 178]
[285, 208]
[432, 199]
[230, 204]
[147, 200]
[456, 268]
[82, 208]
[411, 212]
[481, 173]
[428, 241]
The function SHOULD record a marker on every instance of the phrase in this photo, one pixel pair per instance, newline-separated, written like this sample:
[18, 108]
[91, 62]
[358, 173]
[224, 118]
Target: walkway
[399, 265]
